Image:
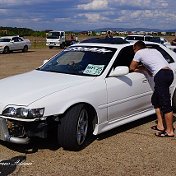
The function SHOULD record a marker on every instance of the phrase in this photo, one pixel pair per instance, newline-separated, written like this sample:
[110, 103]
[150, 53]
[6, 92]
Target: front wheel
[6, 50]
[73, 128]
[25, 49]
[62, 45]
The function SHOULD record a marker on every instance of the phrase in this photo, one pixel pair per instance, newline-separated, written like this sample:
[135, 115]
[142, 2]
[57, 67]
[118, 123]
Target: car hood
[26, 88]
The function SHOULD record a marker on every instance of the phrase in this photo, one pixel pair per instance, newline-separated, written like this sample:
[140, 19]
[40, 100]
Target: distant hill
[28, 32]
[128, 29]
[135, 29]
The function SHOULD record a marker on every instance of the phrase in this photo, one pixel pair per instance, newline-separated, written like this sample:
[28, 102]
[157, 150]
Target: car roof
[9, 37]
[117, 46]
[105, 40]
[140, 35]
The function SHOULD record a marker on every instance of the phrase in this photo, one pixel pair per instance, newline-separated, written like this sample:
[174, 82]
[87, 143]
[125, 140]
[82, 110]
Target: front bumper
[5, 135]
[53, 44]
[1, 50]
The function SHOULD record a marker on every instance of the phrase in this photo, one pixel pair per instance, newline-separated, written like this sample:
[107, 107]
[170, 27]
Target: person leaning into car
[156, 64]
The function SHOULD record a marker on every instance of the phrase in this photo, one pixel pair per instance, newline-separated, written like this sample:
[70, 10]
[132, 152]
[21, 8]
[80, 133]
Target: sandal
[156, 128]
[163, 134]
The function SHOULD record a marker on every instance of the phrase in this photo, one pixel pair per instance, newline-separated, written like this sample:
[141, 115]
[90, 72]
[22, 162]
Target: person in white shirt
[158, 67]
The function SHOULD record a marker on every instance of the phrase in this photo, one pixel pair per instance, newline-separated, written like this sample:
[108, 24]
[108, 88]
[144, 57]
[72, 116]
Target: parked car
[134, 38]
[161, 40]
[14, 43]
[165, 42]
[85, 89]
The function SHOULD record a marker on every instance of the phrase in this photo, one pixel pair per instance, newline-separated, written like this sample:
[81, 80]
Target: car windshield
[53, 35]
[81, 60]
[156, 40]
[4, 40]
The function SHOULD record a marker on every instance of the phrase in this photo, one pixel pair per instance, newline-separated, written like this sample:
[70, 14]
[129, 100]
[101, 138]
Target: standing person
[109, 34]
[156, 64]
[173, 42]
[71, 37]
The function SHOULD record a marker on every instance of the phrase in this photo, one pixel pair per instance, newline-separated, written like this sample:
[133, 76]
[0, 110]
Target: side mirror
[11, 41]
[119, 71]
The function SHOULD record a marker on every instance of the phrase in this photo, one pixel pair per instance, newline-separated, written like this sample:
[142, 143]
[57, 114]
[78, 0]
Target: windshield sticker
[93, 69]
[95, 50]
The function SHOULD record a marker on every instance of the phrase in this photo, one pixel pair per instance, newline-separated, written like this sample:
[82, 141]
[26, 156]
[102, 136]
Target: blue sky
[88, 14]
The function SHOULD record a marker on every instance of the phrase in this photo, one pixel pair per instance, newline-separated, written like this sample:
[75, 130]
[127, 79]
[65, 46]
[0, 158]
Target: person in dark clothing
[156, 64]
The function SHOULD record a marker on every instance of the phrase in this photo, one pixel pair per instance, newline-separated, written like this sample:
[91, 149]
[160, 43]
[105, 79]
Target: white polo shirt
[152, 59]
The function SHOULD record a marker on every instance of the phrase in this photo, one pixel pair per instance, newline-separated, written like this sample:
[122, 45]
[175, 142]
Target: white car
[165, 42]
[133, 38]
[14, 43]
[86, 89]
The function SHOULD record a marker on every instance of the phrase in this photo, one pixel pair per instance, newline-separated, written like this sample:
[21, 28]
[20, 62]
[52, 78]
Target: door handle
[144, 81]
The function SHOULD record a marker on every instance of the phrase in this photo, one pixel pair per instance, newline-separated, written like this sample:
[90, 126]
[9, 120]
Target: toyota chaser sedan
[14, 43]
[85, 89]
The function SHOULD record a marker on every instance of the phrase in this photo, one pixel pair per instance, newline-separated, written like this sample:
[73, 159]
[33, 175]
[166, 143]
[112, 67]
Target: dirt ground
[131, 149]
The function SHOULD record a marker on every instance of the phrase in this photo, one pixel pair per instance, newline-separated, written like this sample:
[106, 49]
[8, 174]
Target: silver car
[14, 43]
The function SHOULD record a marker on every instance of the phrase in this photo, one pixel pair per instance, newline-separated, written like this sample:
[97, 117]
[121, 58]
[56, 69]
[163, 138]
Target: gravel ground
[130, 150]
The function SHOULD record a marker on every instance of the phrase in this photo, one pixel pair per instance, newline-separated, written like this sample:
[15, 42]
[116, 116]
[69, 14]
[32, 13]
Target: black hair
[140, 44]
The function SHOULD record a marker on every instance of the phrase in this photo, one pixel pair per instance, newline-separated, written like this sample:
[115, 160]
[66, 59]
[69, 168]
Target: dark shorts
[161, 96]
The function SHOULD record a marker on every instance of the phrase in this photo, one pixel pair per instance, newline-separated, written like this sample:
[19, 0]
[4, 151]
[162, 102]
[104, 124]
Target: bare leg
[169, 123]
[160, 124]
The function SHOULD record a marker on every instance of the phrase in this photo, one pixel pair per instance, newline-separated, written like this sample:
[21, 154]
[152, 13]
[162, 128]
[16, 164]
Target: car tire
[73, 128]
[6, 50]
[62, 45]
[50, 47]
[25, 49]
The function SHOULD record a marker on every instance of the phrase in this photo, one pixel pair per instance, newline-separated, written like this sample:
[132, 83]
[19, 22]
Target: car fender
[58, 102]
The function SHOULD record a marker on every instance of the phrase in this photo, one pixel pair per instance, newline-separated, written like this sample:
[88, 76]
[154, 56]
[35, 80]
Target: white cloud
[94, 5]
[92, 17]
[132, 2]
[62, 20]
[141, 3]
[146, 18]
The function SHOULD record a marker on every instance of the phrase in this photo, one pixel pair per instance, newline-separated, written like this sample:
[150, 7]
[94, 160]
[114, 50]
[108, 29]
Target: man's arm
[133, 65]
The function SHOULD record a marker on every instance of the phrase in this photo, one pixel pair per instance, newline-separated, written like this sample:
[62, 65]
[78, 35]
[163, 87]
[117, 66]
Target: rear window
[134, 38]
[168, 58]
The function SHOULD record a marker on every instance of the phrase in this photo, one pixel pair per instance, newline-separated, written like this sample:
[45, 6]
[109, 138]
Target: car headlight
[21, 112]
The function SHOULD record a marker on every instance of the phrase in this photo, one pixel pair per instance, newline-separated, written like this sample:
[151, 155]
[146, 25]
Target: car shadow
[51, 142]
[17, 52]
[127, 127]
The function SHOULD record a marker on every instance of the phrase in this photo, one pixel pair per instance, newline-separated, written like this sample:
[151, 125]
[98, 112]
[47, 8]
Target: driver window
[124, 57]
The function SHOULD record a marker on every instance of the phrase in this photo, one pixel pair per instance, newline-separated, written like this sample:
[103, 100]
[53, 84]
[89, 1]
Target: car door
[18, 43]
[129, 94]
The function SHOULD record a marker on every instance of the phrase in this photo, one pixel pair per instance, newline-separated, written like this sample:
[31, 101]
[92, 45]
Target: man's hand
[133, 65]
